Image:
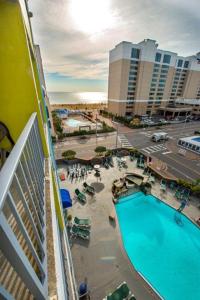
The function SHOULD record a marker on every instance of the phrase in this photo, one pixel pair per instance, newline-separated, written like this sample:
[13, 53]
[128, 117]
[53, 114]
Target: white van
[160, 136]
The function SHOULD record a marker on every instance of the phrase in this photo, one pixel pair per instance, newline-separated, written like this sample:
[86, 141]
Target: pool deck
[102, 261]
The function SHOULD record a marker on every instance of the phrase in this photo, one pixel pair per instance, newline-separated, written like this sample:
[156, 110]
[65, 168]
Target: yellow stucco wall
[57, 203]
[19, 86]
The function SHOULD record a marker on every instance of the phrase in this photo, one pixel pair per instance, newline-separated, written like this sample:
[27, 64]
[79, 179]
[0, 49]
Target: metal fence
[22, 212]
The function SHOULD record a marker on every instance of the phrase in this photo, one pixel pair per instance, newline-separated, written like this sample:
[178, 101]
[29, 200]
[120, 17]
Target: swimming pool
[162, 245]
[75, 123]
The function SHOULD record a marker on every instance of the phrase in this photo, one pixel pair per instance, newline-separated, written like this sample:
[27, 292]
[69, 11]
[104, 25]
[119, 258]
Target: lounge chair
[132, 297]
[82, 222]
[80, 196]
[185, 194]
[163, 186]
[178, 194]
[88, 188]
[151, 178]
[172, 185]
[80, 232]
[122, 292]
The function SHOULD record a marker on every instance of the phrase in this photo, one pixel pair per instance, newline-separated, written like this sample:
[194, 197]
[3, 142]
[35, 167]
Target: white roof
[192, 140]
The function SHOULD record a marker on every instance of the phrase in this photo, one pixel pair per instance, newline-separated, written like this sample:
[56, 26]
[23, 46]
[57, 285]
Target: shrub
[69, 154]
[108, 152]
[100, 149]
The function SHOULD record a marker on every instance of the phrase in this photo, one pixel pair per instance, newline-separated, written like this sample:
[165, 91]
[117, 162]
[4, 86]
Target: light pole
[116, 123]
[96, 129]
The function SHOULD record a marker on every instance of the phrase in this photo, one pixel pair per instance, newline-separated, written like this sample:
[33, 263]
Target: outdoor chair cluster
[141, 162]
[121, 163]
[81, 228]
[108, 162]
[78, 171]
[122, 292]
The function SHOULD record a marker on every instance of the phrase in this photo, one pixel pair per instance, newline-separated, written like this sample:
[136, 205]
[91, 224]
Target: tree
[69, 154]
[100, 149]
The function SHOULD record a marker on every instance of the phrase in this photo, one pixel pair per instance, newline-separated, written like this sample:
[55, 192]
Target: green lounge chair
[82, 222]
[132, 297]
[80, 232]
[80, 196]
[151, 179]
[163, 186]
[88, 188]
[122, 292]
[177, 194]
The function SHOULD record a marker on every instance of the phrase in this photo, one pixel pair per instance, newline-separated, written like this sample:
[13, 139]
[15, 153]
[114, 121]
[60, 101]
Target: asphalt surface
[182, 167]
[179, 166]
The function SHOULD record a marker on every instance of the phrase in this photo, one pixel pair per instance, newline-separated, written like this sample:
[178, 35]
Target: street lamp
[116, 123]
[96, 129]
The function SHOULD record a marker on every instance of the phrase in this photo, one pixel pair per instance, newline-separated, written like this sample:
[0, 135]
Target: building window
[134, 62]
[133, 73]
[166, 59]
[155, 75]
[154, 80]
[153, 84]
[133, 67]
[165, 67]
[155, 70]
[158, 57]
[180, 63]
[164, 71]
[162, 80]
[186, 64]
[157, 65]
[163, 76]
[132, 78]
[161, 84]
[131, 88]
[135, 53]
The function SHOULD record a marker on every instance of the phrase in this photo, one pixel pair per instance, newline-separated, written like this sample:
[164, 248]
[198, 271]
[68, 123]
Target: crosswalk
[124, 141]
[153, 149]
[146, 133]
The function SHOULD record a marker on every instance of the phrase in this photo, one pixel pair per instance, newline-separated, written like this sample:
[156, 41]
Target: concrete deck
[102, 261]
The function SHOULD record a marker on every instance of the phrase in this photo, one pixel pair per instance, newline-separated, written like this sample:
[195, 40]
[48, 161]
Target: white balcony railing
[22, 216]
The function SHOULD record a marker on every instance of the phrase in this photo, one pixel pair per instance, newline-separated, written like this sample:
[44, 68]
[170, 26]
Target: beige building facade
[143, 78]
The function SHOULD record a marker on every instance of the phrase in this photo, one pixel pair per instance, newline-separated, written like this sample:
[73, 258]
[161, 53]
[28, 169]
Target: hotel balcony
[35, 260]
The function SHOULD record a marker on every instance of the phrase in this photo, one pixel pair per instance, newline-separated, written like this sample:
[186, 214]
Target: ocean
[77, 98]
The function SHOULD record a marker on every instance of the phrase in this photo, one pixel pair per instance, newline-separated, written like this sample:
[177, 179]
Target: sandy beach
[81, 106]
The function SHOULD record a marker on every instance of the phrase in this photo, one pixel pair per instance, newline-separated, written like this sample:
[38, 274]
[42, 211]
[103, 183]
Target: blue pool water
[163, 245]
[75, 123]
[197, 139]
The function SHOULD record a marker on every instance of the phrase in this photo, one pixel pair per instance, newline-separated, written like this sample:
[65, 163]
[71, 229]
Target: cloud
[70, 51]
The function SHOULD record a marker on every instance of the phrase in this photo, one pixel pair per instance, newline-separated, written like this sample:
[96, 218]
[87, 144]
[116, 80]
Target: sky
[75, 36]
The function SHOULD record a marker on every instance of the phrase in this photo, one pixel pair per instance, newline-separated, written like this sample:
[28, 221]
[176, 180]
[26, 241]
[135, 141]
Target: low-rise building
[191, 143]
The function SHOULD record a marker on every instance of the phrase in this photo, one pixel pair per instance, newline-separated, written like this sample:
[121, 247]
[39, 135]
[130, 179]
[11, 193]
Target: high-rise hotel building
[144, 79]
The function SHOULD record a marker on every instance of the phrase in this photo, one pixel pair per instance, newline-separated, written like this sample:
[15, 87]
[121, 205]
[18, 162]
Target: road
[178, 165]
